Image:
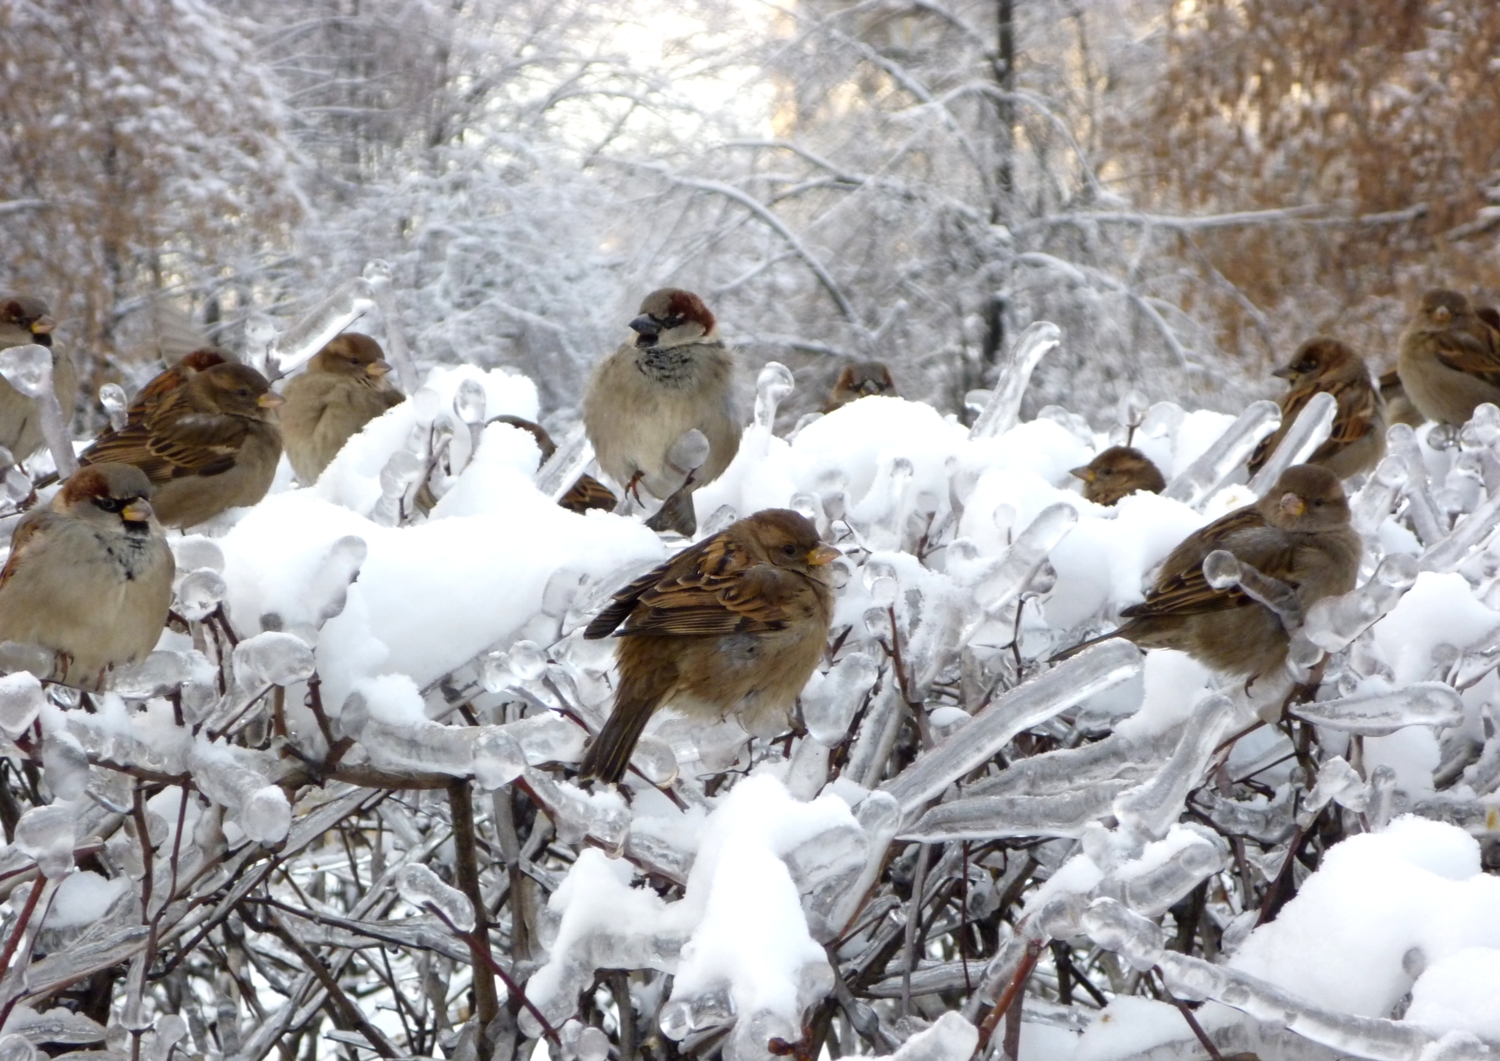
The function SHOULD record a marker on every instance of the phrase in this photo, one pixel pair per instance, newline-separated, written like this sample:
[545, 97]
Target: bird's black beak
[646, 330]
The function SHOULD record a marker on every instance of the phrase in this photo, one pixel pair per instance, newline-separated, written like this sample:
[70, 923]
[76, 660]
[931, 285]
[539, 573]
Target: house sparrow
[24, 320]
[89, 577]
[1357, 441]
[676, 376]
[1118, 471]
[585, 494]
[732, 625]
[860, 380]
[343, 389]
[1298, 533]
[1450, 359]
[210, 444]
[1398, 407]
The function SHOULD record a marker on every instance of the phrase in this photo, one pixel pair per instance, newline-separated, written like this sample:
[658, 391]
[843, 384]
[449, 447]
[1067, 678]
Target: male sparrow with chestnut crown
[863, 379]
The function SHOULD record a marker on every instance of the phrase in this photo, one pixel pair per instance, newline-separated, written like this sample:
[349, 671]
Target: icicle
[296, 346]
[378, 275]
[1004, 406]
[1201, 480]
[1309, 431]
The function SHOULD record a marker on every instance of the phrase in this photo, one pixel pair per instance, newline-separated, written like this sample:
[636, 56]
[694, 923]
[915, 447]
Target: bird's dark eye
[1317, 502]
[789, 549]
[110, 504]
[354, 361]
[1106, 471]
[673, 321]
[243, 392]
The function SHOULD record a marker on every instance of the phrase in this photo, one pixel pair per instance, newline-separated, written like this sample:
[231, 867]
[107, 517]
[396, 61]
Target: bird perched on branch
[25, 320]
[1118, 472]
[1357, 441]
[208, 440]
[343, 388]
[863, 379]
[1298, 534]
[1450, 358]
[674, 377]
[89, 577]
[587, 492]
[731, 626]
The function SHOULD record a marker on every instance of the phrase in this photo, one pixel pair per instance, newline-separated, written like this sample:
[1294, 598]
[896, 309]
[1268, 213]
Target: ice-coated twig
[1426, 520]
[378, 274]
[1149, 810]
[559, 472]
[29, 370]
[987, 817]
[469, 406]
[1309, 431]
[112, 397]
[772, 387]
[1448, 552]
[1377, 498]
[1378, 714]
[1000, 414]
[1070, 682]
[1201, 480]
[1224, 571]
[1333, 622]
[1367, 1037]
[296, 346]
[400, 473]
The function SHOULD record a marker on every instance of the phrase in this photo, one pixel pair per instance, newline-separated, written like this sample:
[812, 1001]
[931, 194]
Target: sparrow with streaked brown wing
[585, 494]
[863, 379]
[210, 444]
[89, 577]
[1118, 472]
[1299, 534]
[733, 625]
[1357, 441]
[25, 320]
[343, 389]
[1450, 359]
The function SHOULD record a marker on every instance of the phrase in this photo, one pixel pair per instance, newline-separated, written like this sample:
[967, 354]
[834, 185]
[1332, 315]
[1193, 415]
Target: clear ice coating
[1222, 570]
[1149, 810]
[1446, 553]
[163, 672]
[260, 808]
[29, 370]
[559, 472]
[1020, 814]
[66, 764]
[469, 406]
[1333, 622]
[1378, 714]
[21, 700]
[1005, 581]
[296, 346]
[1377, 498]
[16, 1047]
[1115, 927]
[601, 816]
[47, 834]
[378, 273]
[772, 387]
[399, 475]
[1201, 480]
[423, 888]
[1309, 431]
[328, 591]
[1004, 406]
[199, 593]
[112, 397]
[830, 699]
[1426, 519]
[1070, 682]
[272, 658]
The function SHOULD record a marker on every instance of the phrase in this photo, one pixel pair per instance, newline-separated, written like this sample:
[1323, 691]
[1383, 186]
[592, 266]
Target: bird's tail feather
[609, 756]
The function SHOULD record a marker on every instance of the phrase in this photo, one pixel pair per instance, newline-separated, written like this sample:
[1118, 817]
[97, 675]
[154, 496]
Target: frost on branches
[333, 814]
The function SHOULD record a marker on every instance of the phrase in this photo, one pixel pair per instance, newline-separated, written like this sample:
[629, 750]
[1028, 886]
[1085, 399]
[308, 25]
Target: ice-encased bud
[28, 369]
[423, 888]
[199, 593]
[65, 763]
[1201, 480]
[47, 835]
[772, 386]
[498, 758]
[272, 658]
[1112, 926]
[469, 402]
[1132, 408]
[689, 451]
[1483, 428]
[260, 808]
[112, 397]
[1379, 714]
[402, 470]
[1004, 405]
[1221, 569]
[194, 552]
[21, 700]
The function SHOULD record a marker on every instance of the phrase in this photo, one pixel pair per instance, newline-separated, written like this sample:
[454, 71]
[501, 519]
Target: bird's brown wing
[26, 531]
[189, 443]
[1468, 353]
[714, 588]
[588, 493]
[1181, 589]
[1358, 414]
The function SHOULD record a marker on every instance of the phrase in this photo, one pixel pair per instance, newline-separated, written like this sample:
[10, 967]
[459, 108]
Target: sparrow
[1450, 359]
[25, 320]
[343, 389]
[1398, 407]
[676, 375]
[585, 494]
[89, 577]
[1299, 534]
[1357, 441]
[208, 445]
[1118, 471]
[733, 625]
[860, 380]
